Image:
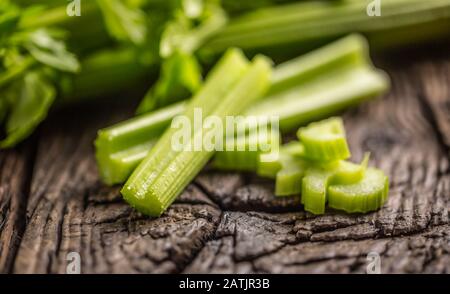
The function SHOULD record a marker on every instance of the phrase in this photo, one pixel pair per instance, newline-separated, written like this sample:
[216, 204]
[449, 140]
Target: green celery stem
[335, 77]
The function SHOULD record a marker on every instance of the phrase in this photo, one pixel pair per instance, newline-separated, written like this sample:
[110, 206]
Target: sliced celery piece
[349, 173]
[321, 175]
[325, 140]
[293, 148]
[122, 163]
[268, 169]
[165, 172]
[314, 189]
[289, 179]
[369, 194]
[288, 170]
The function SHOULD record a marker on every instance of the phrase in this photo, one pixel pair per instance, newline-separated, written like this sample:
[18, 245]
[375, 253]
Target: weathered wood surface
[52, 202]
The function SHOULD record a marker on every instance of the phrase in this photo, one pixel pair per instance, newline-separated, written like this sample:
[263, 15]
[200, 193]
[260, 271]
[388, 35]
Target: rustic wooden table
[52, 202]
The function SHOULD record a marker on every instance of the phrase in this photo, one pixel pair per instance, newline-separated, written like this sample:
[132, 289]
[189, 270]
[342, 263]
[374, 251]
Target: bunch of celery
[307, 88]
[120, 42]
[115, 44]
[314, 167]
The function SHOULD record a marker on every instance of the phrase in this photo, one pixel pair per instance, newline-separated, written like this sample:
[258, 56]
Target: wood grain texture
[436, 95]
[15, 172]
[232, 223]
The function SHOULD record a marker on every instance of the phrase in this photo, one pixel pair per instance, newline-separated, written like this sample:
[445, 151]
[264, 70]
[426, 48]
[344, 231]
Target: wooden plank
[434, 83]
[69, 210]
[228, 223]
[15, 168]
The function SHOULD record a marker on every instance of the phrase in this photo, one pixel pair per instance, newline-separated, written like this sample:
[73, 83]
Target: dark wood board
[52, 201]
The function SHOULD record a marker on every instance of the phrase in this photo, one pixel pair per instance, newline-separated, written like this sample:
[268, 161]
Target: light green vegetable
[336, 77]
[286, 154]
[314, 189]
[180, 77]
[112, 152]
[288, 180]
[154, 30]
[322, 97]
[369, 194]
[307, 23]
[194, 23]
[321, 175]
[124, 22]
[325, 140]
[162, 176]
[30, 100]
[243, 152]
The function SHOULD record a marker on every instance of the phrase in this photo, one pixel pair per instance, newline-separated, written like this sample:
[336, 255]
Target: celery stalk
[310, 23]
[115, 158]
[323, 97]
[355, 88]
[164, 173]
[346, 52]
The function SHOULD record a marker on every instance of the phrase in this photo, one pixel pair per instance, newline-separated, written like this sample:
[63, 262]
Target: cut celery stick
[305, 104]
[322, 97]
[369, 194]
[165, 172]
[125, 136]
[346, 52]
[120, 148]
